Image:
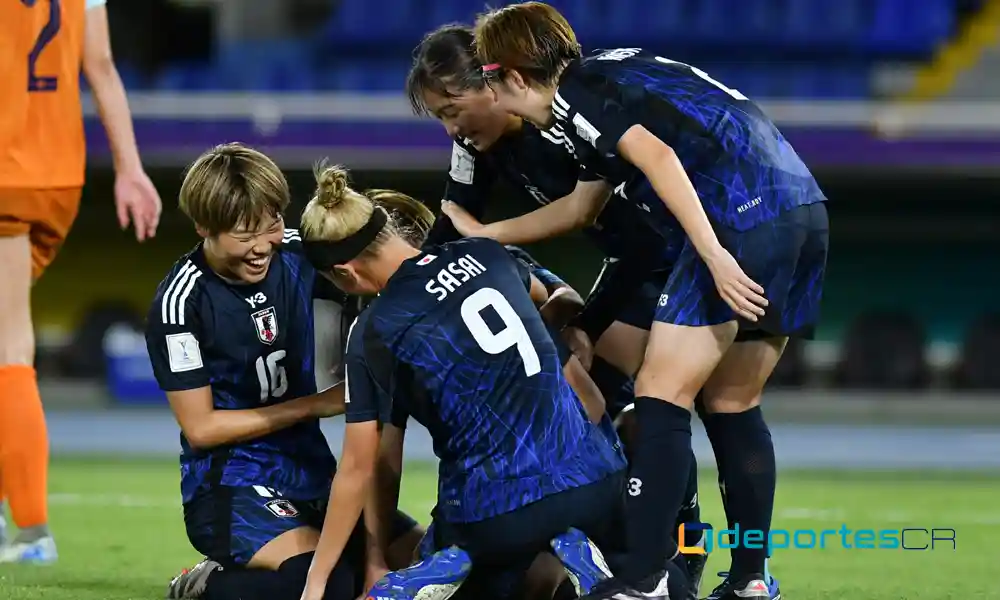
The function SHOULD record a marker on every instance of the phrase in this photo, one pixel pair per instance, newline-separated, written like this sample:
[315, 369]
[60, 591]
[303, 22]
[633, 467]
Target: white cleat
[39, 552]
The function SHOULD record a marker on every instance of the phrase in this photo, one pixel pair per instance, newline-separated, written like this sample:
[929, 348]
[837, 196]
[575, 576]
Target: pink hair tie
[490, 67]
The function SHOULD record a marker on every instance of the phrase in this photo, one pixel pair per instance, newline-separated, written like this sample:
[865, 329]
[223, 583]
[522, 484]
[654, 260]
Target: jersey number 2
[36, 82]
[512, 335]
[272, 377]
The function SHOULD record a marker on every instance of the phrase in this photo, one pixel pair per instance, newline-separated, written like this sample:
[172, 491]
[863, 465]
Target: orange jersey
[41, 118]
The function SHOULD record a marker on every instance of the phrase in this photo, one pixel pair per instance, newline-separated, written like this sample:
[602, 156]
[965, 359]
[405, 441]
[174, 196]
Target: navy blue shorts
[502, 548]
[641, 307]
[787, 256]
[231, 524]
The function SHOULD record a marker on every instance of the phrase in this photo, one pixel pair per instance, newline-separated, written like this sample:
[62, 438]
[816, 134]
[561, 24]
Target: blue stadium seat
[266, 66]
[827, 25]
[381, 76]
[765, 48]
[898, 29]
[188, 77]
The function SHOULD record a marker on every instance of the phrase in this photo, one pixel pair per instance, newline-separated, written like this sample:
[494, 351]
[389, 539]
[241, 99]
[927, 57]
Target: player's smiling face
[471, 114]
[244, 254]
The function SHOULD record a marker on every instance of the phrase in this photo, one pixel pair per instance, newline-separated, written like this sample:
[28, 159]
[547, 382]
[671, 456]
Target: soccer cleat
[435, 578]
[773, 589]
[616, 589]
[191, 583]
[751, 587]
[38, 552]
[696, 570]
[582, 559]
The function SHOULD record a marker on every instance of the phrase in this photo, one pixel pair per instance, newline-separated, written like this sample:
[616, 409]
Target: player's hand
[465, 223]
[138, 203]
[741, 293]
[579, 343]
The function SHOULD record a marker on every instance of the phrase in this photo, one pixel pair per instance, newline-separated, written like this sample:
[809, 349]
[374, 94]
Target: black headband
[324, 255]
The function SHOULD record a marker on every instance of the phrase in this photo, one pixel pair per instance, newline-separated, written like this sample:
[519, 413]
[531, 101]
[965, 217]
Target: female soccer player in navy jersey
[491, 145]
[455, 340]
[749, 276]
[232, 336]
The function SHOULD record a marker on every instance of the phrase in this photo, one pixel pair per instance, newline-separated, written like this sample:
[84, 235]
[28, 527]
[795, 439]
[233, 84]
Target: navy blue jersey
[533, 161]
[744, 170]
[254, 345]
[455, 341]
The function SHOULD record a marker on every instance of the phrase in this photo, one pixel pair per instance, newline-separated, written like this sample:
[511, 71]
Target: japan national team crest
[266, 323]
[282, 508]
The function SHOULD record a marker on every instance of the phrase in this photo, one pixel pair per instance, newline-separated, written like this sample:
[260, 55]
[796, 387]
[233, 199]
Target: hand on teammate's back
[742, 294]
[137, 202]
[464, 222]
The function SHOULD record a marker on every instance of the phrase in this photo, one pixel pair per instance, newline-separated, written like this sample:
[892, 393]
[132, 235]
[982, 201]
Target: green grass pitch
[120, 536]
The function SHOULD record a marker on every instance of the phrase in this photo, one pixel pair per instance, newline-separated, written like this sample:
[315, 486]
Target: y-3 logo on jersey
[258, 298]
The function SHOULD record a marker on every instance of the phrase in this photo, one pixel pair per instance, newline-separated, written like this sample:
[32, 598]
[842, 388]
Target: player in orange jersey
[43, 46]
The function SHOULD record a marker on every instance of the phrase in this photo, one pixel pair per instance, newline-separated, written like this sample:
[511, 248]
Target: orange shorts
[45, 216]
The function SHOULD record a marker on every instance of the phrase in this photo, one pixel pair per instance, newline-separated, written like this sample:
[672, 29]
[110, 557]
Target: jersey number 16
[512, 335]
[272, 377]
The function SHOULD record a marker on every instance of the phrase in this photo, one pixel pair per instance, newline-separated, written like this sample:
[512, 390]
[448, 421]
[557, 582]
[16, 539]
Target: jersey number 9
[272, 377]
[512, 335]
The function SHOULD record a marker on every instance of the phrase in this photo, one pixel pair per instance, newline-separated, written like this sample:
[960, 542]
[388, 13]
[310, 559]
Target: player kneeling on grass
[414, 221]
[232, 342]
[454, 339]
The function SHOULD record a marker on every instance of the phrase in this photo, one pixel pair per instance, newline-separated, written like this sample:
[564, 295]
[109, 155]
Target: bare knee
[680, 359]
[738, 381]
[17, 344]
[291, 543]
[623, 347]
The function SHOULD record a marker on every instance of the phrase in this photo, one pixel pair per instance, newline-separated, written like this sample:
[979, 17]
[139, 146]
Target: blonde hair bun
[332, 184]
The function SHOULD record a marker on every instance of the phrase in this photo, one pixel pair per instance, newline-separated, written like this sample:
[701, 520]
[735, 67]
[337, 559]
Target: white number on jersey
[734, 93]
[623, 53]
[513, 334]
[272, 377]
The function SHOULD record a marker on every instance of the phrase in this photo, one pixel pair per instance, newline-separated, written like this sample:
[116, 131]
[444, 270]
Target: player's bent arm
[575, 211]
[659, 163]
[352, 485]
[586, 390]
[205, 427]
[563, 304]
[109, 92]
[384, 499]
